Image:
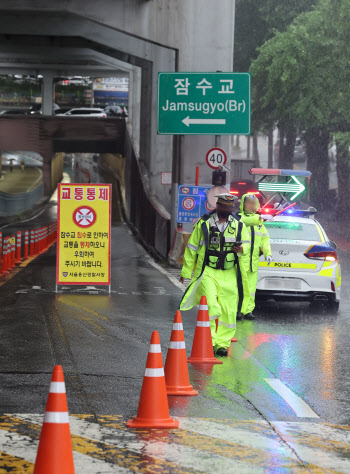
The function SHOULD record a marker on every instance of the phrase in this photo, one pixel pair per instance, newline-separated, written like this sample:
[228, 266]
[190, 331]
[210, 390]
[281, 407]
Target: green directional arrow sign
[203, 103]
[297, 187]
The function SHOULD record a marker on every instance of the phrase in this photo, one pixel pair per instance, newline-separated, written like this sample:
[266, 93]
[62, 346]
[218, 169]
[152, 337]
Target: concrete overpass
[51, 135]
[85, 37]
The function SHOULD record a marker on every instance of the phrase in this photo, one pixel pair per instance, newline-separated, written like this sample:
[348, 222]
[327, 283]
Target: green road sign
[296, 188]
[204, 103]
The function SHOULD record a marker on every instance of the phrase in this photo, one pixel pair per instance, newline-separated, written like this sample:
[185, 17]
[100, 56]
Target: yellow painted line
[123, 457]
[140, 460]
[339, 427]
[10, 463]
[316, 442]
[90, 318]
[266, 459]
[311, 266]
[66, 300]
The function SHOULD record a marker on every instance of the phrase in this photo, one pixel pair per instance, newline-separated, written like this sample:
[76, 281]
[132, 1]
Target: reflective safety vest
[220, 254]
[209, 247]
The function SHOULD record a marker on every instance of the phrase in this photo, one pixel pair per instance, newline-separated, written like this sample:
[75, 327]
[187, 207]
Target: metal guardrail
[153, 227]
[12, 204]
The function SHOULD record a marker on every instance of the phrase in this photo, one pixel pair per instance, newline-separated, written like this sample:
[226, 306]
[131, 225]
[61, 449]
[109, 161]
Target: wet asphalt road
[102, 342]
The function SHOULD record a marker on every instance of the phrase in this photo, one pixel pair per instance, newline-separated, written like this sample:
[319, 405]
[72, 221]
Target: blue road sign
[192, 202]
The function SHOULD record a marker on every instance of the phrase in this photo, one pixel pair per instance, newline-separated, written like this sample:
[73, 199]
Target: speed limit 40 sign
[215, 158]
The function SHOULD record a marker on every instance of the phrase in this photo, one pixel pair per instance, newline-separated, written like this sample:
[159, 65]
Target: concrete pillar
[0, 165]
[47, 94]
[47, 161]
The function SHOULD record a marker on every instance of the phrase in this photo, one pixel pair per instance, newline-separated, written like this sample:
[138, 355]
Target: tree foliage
[302, 75]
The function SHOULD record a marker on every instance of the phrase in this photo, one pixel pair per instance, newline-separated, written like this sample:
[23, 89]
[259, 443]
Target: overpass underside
[63, 43]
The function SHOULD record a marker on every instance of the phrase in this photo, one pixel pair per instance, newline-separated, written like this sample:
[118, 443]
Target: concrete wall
[155, 35]
[56, 170]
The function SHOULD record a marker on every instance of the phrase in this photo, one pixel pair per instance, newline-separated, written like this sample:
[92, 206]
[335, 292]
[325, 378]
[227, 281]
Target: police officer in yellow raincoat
[259, 240]
[215, 251]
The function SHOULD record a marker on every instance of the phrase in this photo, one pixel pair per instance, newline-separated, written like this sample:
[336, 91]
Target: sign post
[200, 103]
[83, 235]
[192, 203]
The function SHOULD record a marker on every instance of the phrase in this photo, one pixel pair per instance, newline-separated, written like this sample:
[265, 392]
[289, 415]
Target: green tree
[256, 22]
[302, 78]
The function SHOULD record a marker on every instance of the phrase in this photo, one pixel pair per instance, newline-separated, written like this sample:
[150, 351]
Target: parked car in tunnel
[86, 112]
[115, 111]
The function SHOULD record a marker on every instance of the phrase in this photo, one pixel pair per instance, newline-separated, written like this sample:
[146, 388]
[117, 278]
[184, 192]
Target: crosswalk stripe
[123, 457]
[253, 446]
[173, 446]
[102, 443]
[314, 441]
[21, 450]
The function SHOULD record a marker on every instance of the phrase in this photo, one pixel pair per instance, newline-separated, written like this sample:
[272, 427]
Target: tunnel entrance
[98, 168]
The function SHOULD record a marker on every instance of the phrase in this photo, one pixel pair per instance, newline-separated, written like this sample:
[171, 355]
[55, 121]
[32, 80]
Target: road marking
[297, 404]
[102, 443]
[9, 463]
[20, 453]
[167, 274]
[33, 185]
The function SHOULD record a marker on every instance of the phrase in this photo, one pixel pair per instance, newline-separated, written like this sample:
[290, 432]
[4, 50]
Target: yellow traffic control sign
[83, 234]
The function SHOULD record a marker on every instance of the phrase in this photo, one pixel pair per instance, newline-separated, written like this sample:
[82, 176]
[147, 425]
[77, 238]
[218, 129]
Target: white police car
[305, 265]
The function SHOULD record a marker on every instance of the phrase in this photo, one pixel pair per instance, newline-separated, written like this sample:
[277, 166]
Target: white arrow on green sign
[297, 187]
[191, 121]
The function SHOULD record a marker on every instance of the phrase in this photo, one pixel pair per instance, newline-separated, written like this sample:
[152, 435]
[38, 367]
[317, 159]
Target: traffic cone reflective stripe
[4, 261]
[176, 369]
[13, 251]
[2, 248]
[32, 240]
[202, 347]
[177, 345]
[153, 411]
[56, 417]
[4, 251]
[26, 244]
[203, 324]
[19, 246]
[55, 453]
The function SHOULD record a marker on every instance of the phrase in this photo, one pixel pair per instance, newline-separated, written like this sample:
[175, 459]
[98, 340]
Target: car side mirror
[333, 244]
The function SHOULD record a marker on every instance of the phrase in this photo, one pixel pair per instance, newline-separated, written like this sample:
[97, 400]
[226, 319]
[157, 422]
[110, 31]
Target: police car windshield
[292, 231]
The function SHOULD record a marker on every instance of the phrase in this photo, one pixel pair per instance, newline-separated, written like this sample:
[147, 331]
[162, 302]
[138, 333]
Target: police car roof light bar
[278, 172]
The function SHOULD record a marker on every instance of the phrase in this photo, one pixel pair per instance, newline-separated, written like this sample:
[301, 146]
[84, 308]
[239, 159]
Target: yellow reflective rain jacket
[258, 237]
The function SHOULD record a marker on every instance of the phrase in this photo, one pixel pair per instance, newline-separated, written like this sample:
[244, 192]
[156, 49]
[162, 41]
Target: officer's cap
[226, 198]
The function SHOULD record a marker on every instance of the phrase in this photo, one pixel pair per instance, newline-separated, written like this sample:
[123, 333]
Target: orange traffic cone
[202, 347]
[153, 409]
[55, 453]
[176, 371]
